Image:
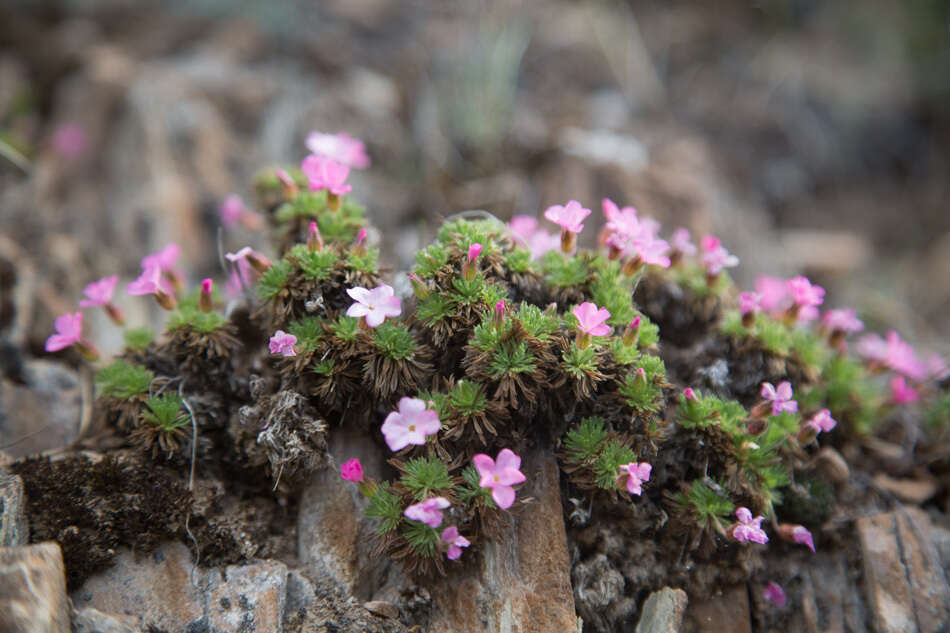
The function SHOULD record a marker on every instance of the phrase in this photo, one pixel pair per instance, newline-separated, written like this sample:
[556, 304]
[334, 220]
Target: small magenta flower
[410, 424]
[341, 147]
[622, 226]
[646, 249]
[689, 394]
[591, 321]
[716, 257]
[775, 594]
[570, 218]
[468, 266]
[283, 343]
[428, 511]
[635, 474]
[682, 244]
[206, 299]
[326, 173]
[806, 297]
[802, 536]
[68, 333]
[901, 392]
[455, 541]
[780, 397]
[373, 306]
[747, 528]
[821, 421]
[500, 475]
[773, 294]
[260, 263]
[499, 312]
[352, 470]
[150, 282]
[749, 302]
[894, 353]
[99, 293]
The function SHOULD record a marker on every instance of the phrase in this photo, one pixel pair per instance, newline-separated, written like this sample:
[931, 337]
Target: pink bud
[632, 332]
[205, 302]
[474, 251]
[352, 470]
[689, 394]
[418, 286]
[314, 239]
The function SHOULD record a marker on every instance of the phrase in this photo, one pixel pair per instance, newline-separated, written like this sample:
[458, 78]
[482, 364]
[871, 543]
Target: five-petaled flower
[99, 293]
[283, 343]
[570, 218]
[681, 242]
[352, 470]
[341, 147]
[775, 594]
[410, 424]
[715, 256]
[894, 353]
[806, 297]
[821, 421]
[428, 511]
[373, 306]
[500, 475]
[747, 528]
[634, 474]
[780, 397]
[163, 259]
[150, 282]
[326, 173]
[455, 541]
[591, 319]
[68, 332]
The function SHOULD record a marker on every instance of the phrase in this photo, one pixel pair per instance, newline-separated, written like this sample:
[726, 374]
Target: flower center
[412, 427]
[496, 479]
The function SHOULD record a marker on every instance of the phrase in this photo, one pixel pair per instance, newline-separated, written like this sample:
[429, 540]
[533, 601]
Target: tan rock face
[663, 611]
[726, 612]
[33, 590]
[14, 529]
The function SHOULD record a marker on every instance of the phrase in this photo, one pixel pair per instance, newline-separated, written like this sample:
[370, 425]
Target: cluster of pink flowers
[795, 299]
[628, 236]
[536, 239]
[715, 256]
[372, 307]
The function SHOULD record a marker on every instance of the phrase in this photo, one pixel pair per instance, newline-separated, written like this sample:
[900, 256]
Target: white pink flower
[374, 305]
[821, 421]
[842, 320]
[569, 217]
[591, 320]
[231, 210]
[341, 147]
[715, 256]
[635, 474]
[802, 536]
[283, 343]
[326, 173]
[499, 475]
[455, 542]
[150, 282]
[780, 397]
[410, 424]
[894, 353]
[428, 511]
[681, 242]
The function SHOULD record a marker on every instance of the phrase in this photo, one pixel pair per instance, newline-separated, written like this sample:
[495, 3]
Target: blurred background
[811, 135]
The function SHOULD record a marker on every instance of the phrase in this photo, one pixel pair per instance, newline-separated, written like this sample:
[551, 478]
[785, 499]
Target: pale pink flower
[802, 536]
[523, 226]
[569, 217]
[821, 421]
[252, 257]
[455, 541]
[99, 293]
[591, 319]
[410, 424]
[894, 353]
[623, 223]
[163, 259]
[806, 297]
[635, 474]
[500, 475]
[231, 210]
[681, 242]
[747, 528]
[901, 392]
[374, 305]
[70, 140]
[773, 294]
[352, 470]
[68, 332]
[540, 242]
[428, 511]
[749, 302]
[283, 343]
[842, 320]
[780, 397]
[150, 282]
[715, 256]
[775, 594]
[326, 173]
[650, 250]
[341, 147]
[937, 368]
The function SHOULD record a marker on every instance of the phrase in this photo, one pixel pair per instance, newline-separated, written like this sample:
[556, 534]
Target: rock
[915, 491]
[94, 621]
[837, 596]
[165, 590]
[14, 529]
[300, 592]
[906, 586]
[42, 415]
[522, 580]
[663, 611]
[33, 589]
[724, 612]
[382, 608]
[832, 466]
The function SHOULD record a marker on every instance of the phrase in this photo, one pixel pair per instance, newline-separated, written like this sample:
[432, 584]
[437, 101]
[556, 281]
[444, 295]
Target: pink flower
[150, 282]
[352, 470]
[231, 210]
[681, 242]
[591, 319]
[775, 594]
[715, 256]
[689, 394]
[749, 302]
[901, 392]
[341, 147]
[374, 305]
[474, 251]
[623, 224]
[326, 173]
[99, 293]
[773, 294]
[500, 475]
[821, 421]
[455, 541]
[70, 140]
[806, 298]
[541, 242]
[802, 536]
[428, 511]
[650, 250]
[843, 320]
[569, 217]
[747, 528]
[68, 332]
[635, 474]
[523, 226]
[283, 343]
[252, 257]
[163, 259]
[780, 397]
[410, 424]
